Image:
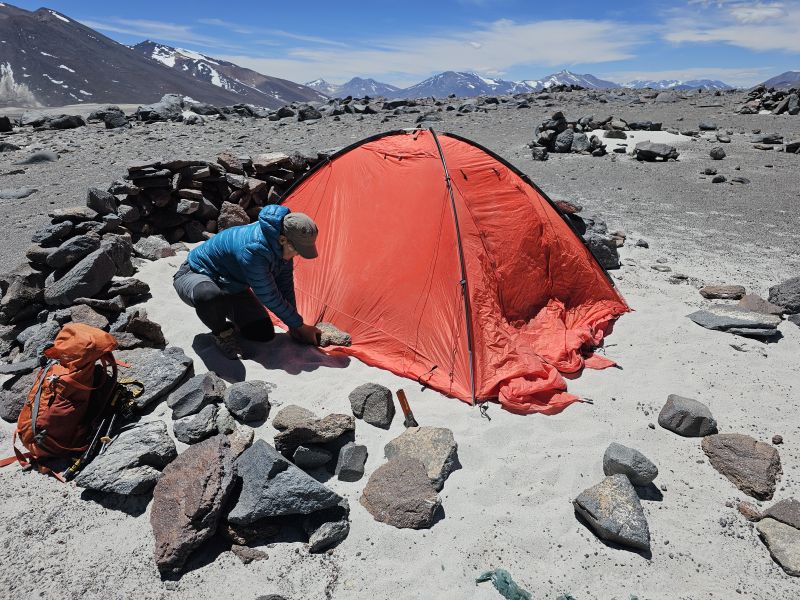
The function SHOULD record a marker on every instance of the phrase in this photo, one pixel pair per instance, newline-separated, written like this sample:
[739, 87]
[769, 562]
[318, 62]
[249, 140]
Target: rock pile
[775, 101]
[559, 135]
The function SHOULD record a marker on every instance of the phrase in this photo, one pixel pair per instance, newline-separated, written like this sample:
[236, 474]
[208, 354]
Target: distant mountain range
[789, 79]
[463, 83]
[250, 86]
[676, 84]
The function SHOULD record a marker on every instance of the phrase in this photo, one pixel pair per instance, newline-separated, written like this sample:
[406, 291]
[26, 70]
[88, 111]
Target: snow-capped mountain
[49, 59]
[787, 80]
[458, 83]
[251, 87]
[568, 78]
[356, 87]
[676, 84]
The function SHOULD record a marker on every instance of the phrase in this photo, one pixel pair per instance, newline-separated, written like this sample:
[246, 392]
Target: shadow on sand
[280, 353]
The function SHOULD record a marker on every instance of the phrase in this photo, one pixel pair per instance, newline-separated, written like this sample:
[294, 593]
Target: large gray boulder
[651, 152]
[752, 466]
[434, 447]
[687, 417]
[273, 487]
[132, 462]
[196, 427]
[248, 400]
[612, 509]
[373, 403]
[314, 431]
[619, 459]
[400, 494]
[783, 542]
[188, 501]
[787, 295]
[196, 393]
[161, 371]
[84, 280]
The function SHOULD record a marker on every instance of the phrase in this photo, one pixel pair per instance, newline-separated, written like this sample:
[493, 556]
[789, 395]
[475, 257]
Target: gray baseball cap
[301, 231]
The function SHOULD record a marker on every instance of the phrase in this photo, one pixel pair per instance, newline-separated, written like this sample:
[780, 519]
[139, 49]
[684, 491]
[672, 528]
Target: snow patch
[46, 54]
[52, 80]
[195, 55]
[85, 93]
[66, 68]
[58, 16]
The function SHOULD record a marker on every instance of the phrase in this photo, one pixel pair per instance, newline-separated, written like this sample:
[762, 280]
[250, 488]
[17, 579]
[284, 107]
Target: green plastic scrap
[503, 583]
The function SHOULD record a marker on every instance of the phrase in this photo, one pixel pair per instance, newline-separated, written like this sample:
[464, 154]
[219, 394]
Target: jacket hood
[270, 220]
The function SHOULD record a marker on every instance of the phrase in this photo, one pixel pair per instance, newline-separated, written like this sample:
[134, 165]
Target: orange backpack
[62, 413]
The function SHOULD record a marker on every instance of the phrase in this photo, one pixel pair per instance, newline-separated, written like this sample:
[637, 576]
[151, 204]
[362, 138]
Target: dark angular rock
[188, 501]
[231, 215]
[145, 329]
[311, 457]
[400, 494]
[196, 393]
[786, 511]
[52, 234]
[619, 459]
[313, 431]
[23, 291]
[132, 462]
[603, 249]
[73, 250]
[13, 394]
[100, 201]
[327, 535]
[563, 141]
[723, 317]
[717, 153]
[648, 151]
[434, 447]
[85, 279]
[687, 417]
[161, 371]
[273, 487]
[350, 464]
[752, 466]
[373, 403]
[306, 112]
[81, 313]
[613, 511]
[787, 295]
[196, 427]
[248, 400]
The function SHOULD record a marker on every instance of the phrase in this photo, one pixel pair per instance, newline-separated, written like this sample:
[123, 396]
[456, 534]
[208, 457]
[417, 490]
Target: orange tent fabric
[481, 289]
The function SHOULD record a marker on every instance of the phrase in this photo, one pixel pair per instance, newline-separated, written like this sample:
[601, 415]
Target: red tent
[449, 266]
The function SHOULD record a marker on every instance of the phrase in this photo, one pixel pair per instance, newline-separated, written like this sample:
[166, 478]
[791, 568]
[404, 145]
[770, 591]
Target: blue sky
[739, 42]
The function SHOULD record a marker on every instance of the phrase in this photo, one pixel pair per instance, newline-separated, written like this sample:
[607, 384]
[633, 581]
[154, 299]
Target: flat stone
[350, 464]
[786, 511]
[722, 292]
[434, 447]
[153, 247]
[721, 317]
[373, 403]
[328, 535]
[73, 250]
[196, 393]
[787, 295]
[248, 400]
[290, 416]
[188, 501]
[400, 494]
[81, 313]
[84, 280]
[161, 371]
[619, 459]
[128, 286]
[331, 336]
[752, 466]
[614, 512]
[132, 462]
[686, 417]
[649, 151]
[313, 431]
[758, 304]
[52, 234]
[273, 487]
[196, 427]
[311, 457]
[783, 542]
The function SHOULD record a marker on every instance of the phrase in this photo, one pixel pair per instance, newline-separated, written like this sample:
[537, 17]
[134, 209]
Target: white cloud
[750, 25]
[490, 48]
[157, 30]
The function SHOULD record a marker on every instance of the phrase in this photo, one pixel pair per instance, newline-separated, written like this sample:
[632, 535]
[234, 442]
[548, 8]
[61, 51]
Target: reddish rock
[231, 215]
[756, 303]
[752, 466]
[749, 511]
[399, 493]
[722, 292]
[188, 501]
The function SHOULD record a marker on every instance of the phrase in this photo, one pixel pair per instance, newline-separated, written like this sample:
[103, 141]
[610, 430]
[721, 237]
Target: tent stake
[463, 282]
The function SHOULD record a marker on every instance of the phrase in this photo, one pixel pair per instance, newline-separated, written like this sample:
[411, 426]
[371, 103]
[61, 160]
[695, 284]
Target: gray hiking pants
[215, 307]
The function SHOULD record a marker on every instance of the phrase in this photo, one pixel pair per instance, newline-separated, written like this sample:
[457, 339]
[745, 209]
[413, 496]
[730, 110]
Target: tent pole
[463, 282]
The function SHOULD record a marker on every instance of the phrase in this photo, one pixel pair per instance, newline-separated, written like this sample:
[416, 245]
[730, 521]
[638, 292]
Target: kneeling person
[243, 271]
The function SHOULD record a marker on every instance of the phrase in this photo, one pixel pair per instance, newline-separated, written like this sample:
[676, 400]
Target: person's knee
[258, 331]
[206, 294]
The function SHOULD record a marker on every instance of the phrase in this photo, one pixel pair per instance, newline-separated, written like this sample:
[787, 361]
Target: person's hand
[307, 334]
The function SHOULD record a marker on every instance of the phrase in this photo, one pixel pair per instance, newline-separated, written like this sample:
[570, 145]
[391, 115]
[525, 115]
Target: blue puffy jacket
[251, 256]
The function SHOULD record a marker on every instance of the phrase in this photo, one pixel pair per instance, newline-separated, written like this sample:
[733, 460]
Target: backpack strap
[27, 460]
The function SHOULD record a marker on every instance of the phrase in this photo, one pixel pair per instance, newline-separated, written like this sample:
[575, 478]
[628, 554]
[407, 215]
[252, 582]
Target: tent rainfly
[449, 266]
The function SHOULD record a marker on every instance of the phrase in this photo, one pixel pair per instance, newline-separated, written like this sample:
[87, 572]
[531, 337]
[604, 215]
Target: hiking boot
[228, 345]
